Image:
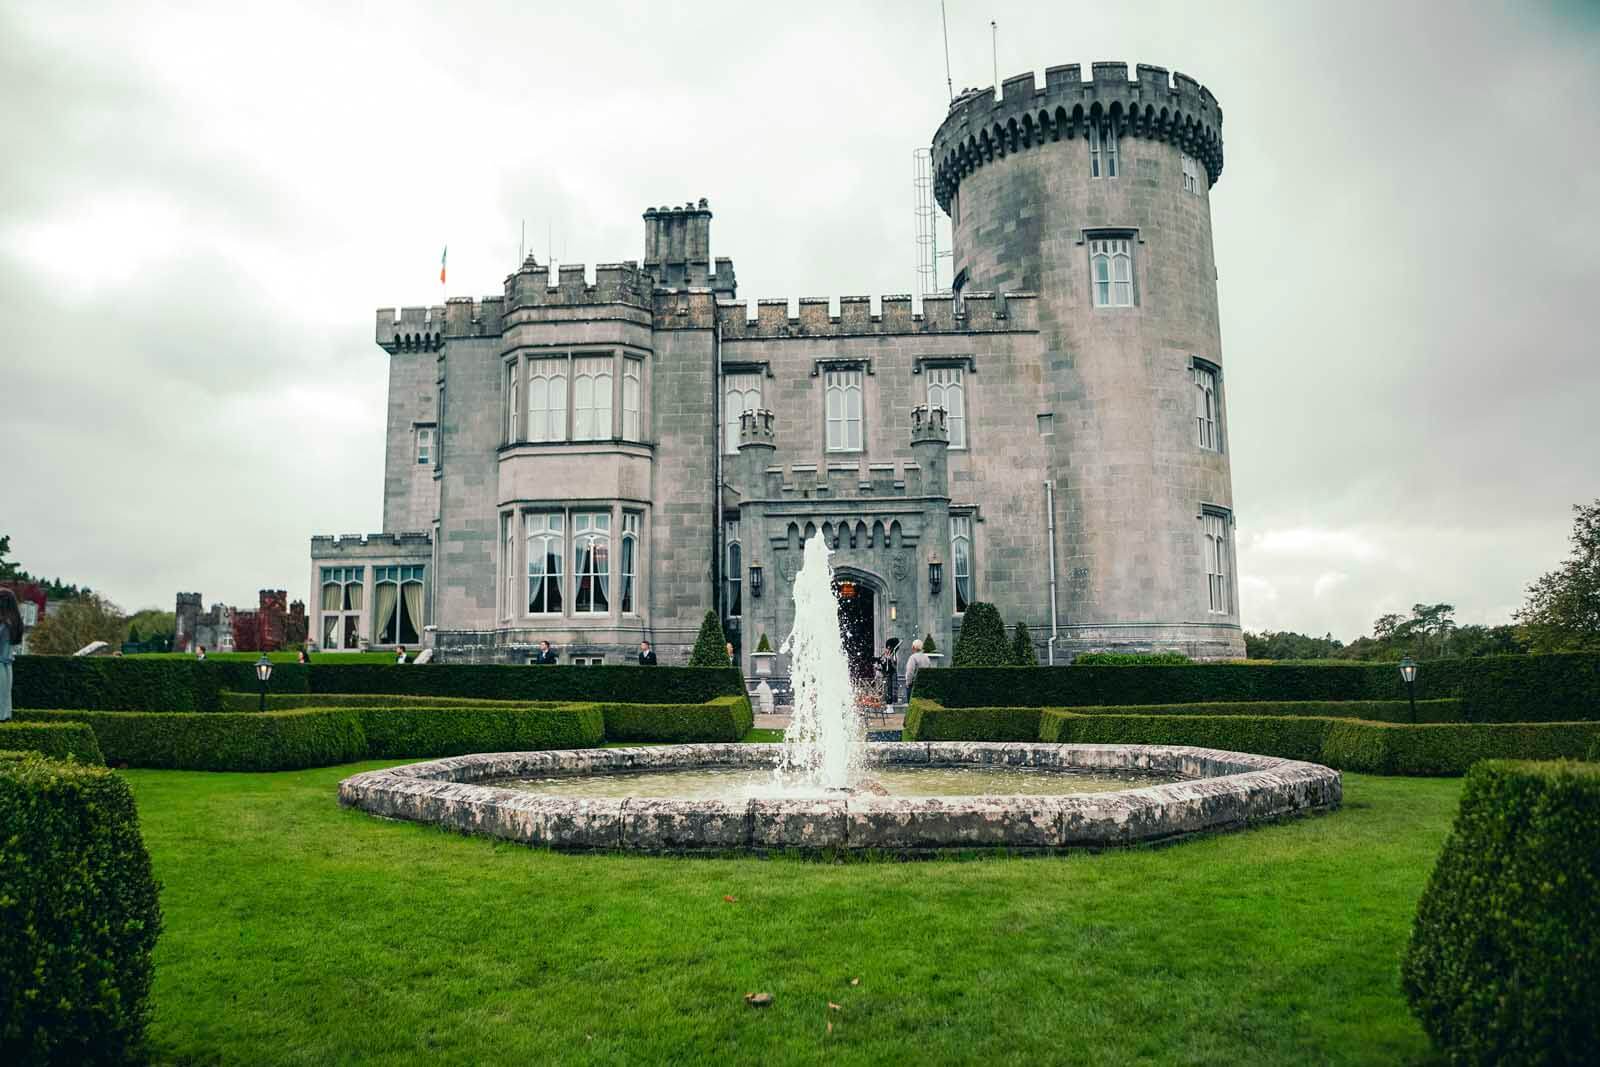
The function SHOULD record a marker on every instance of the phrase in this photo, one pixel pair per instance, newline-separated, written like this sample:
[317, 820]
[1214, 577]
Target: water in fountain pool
[822, 745]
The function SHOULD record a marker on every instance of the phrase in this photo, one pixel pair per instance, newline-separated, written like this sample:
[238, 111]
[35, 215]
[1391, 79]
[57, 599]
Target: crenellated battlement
[980, 129]
[328, 545]
[977, 313]
[614, 283]
[755, 429]
[426, 329]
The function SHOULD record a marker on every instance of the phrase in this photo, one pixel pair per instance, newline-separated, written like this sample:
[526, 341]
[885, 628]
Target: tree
[711, 647]
[151, 624]
[8, 567]
[1563, 609]
[1022, 653]
[983, 638]
[75, 623]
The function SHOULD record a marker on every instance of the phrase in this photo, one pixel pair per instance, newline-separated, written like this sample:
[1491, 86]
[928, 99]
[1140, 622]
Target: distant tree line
[78, 616]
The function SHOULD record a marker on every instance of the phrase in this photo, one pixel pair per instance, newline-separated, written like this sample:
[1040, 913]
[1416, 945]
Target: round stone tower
[1096, 195]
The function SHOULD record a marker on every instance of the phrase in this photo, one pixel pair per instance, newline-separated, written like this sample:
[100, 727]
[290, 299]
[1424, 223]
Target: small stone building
[597, 456]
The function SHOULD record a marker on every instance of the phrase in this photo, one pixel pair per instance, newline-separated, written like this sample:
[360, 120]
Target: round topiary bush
[1506, 945]
[983, 638]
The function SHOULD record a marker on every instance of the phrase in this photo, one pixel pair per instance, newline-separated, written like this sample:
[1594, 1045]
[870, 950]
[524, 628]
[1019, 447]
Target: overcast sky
[200, 210]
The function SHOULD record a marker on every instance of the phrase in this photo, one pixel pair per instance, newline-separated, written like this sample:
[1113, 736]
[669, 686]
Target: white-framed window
[1208, 427]
[1191, 174]
[588, 661]
[1111, 271]
[547, 399]
[740, 393]
[947, 389]
[424, 445]
[513, 404]
[630, 562]
[842, 398]
[343, 594]
[1103, 160]
[591, 398]
[961, 560]
[508, 563]
[632, 399]
[1219, 588]
[735, 558]
[397, 604]
[546, 549]
[591, 562]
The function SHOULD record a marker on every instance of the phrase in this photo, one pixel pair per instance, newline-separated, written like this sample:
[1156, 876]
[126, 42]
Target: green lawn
[299, 932]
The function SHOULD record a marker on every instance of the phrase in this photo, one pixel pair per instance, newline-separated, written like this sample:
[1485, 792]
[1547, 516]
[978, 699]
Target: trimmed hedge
[664, 685]
[103, 683]
[221, 741]
[57, 740]
[723, 719]
[79, 916]
[398, 733]
[1505, 950]
[290, 701]
[1560, 687]
[1131, 659]
[1344, 744]
[1398, 711]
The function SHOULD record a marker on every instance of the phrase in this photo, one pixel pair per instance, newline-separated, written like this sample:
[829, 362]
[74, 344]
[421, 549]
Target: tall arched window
[842, 392]
[632, 393]
[630, 562]
[1111, 264]
[508, 564]
[546, 549]
[1219, 589]
[547, 400]
[397, 604]
[735, 605]
[591, 570]
[948, 390]
[961, 559]
[1103, 156]
[514, 411]
[741, 393]
[343, 591]
[1207, 433]
[591, 398]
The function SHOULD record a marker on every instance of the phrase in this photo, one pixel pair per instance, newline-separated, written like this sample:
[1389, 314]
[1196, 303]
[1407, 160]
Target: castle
[273, 625]
[592, 459]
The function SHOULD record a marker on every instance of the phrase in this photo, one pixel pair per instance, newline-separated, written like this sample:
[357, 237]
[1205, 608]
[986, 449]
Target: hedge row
[111, 684]
[290, 701]
[79, 916]
[1344, 744]
[1561, 687]
[1504, 954]
[58, 740]
[927, 721]
[399, 733]
[221, 741]
[723, 719]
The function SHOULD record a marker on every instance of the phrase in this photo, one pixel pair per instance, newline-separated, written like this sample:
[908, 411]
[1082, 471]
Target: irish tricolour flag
[442, 257]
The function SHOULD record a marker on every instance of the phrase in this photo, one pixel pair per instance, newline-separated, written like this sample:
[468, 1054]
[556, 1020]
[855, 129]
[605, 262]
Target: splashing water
[822, 748]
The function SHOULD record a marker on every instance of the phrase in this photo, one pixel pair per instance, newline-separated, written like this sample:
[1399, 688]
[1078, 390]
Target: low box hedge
[724, 719]
[927, 720]
[430, 732]
[58, 740]
[79, 916]
[232, 701]
[1449, 749]
[1448, 710]
[1285, 736]
[221, 741]
[1503, 964]
[662, 685]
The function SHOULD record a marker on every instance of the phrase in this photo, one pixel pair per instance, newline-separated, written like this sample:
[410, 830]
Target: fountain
[810, 791]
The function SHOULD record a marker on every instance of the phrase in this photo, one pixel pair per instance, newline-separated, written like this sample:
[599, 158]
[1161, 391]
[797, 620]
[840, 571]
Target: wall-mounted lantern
[755, 580]
[847, 590]
[935, 574]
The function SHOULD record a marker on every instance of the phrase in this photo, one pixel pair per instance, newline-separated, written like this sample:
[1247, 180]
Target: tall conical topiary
[1022, 653]
[983, 638]
[711, 647]
[927, 644]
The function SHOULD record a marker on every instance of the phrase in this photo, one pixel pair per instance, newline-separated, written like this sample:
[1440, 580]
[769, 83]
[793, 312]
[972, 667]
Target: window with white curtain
[740, 393]
[1208, 431]
[513, 406]
[397, 604]
[508, 563]
[591, 398]
[1191, 174]
[630, 562]
[547, 399]
[842, 397]
[947, 389]
[961, 559]
[343, 595]
[1219, 590]
[632, 396]
[735, 602]
[591, 562]
[546, 547]
[1111, 271]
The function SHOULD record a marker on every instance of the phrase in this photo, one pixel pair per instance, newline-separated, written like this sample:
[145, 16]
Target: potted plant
[763, 656]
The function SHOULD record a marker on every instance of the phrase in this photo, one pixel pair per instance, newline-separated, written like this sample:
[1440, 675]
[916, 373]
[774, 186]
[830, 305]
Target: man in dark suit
[647, 655]
[546, 654]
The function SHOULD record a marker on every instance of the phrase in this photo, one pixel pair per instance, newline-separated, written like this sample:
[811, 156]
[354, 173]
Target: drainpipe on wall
[1050, 513]
[716, 450]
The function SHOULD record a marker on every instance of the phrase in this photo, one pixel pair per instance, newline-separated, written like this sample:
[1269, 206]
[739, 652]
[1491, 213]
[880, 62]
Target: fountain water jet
[822, 748]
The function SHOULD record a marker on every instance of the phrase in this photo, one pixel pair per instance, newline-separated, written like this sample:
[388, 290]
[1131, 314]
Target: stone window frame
[861, 367]
[628, 562]
[730, 421]
[514, 518]
[591, 535]
[350, 620]
[1129, 237]
[1198, 366]
[518, 384]
[927, 366]
[1217, 524]
[1191, 173]
[733, 573]
[969, 516]
[399, 575]
[424, 436]
[1103, 146]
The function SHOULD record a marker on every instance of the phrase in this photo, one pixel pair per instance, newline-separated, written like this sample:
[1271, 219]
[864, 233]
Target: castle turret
[930, 444]
[757, 447]
[1096, 195]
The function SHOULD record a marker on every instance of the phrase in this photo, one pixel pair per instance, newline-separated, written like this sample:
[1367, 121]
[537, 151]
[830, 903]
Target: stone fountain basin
[1223, 790]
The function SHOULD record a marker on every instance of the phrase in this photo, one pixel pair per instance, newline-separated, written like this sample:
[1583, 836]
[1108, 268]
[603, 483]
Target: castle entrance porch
[857, 625]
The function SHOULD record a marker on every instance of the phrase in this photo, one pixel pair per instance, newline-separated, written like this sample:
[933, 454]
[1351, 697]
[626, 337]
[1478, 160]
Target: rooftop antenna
[522, 244]
[944, 24]
[994, 45]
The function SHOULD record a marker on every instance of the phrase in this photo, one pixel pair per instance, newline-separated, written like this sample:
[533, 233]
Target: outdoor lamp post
[1408, 674]
[755, 580]
[263, 673]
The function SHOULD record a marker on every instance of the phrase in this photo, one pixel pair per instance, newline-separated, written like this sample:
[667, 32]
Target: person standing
[546, 654]
[399, 655]
[915, 663]
[11, 629]
[647, 655]
[888, 666]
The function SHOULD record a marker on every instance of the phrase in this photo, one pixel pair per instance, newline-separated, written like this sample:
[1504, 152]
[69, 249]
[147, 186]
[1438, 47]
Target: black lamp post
[263, 673]
[755, 580]
[1408, 674]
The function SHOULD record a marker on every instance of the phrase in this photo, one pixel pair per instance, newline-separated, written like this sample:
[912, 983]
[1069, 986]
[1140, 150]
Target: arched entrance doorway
[857, 624]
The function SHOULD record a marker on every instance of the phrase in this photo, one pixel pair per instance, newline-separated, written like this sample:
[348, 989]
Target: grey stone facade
[921, 444]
